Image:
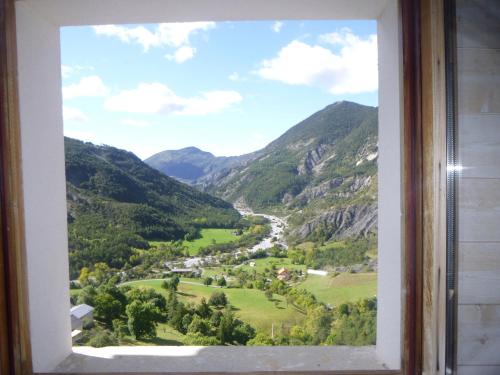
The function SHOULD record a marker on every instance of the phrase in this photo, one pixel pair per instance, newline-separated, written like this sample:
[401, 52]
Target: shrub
[100, 337]
[218, 299]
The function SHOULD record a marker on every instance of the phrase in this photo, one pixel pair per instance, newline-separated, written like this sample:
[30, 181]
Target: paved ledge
[219, 359]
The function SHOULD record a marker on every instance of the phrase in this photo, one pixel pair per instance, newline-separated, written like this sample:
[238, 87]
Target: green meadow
[250, 305]
[346, 287]
[208, 237]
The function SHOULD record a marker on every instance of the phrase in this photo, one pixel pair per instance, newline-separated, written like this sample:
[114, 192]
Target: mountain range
[115, 185]
[192, 165]
[321, 174]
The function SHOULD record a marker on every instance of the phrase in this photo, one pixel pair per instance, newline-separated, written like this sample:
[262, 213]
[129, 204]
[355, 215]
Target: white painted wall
[44, 187]
[92, 12]
[389, 188]
[38, 23]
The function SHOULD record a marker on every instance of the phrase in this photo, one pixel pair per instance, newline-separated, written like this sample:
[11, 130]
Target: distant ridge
[321, 173]
[192, 165]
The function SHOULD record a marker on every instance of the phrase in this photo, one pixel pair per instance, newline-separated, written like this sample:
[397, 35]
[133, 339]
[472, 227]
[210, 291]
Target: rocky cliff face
[321, 174]
[339, 223]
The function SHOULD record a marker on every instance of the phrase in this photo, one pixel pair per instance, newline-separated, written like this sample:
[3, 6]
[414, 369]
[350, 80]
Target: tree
[260, 284]
[87, 295]
[199, 339]
[199, 325]
[101, 272]
[153, 297]
[186, 320]
[221, 281]
[120, 329]
[318, 323]
[260, 340]
[355, 324]
[225, 329]
[141, 322]
[218, 299]
[242, 332]
[177, 314]
[208, 281]
[299, 336]
[171, 283]
[83, 279]
[203, 309]
[117, 293]
[107, 308]
[100, 337]
[215, 318]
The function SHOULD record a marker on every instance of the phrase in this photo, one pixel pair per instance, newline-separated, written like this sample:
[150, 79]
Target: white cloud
[148, 98]
[235, 77]
[67, 70]
[135, 122]
[73, 114]
[156, 98]
[182, 54]
[165, 34]
[210, 102]
[87, 86]
[342, 37]
[276, 27]
[352, 70]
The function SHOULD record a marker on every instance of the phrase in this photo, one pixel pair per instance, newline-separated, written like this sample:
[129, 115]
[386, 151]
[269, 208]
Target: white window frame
[44, 188]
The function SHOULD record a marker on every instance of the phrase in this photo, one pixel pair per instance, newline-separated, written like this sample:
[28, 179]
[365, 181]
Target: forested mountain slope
[116, 201]
[322, 173]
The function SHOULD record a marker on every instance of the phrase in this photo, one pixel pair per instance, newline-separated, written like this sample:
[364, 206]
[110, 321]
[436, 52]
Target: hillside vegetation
[116, 202]
[170, 261]
[321, 173]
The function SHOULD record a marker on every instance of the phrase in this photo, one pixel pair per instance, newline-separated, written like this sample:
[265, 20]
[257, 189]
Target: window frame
[13, 276]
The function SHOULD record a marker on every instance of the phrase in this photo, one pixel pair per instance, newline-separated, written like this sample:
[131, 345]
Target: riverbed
[278, 226]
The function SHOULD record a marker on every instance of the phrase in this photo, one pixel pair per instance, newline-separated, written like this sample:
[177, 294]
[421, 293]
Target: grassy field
[342, 288]
[260, 265]
[208, 236]
[250, 304]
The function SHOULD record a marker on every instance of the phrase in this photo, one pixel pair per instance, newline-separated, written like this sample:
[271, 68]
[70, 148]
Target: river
[278, 226]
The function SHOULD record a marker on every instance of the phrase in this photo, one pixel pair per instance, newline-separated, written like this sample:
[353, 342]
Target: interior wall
[478, 78]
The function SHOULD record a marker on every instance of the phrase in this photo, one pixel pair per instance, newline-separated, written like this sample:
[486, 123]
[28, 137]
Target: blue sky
[228, 87]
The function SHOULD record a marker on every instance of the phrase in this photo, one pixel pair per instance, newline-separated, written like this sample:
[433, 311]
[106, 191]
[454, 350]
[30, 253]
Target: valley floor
[252, 306]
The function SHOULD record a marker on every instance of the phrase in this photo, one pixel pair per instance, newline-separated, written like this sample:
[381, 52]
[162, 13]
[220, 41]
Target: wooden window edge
[16, 352]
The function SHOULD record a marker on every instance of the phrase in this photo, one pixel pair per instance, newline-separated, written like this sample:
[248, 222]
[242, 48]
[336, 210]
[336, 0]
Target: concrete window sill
[219, 359]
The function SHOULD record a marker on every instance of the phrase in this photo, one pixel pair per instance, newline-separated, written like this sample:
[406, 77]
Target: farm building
[78, 314]
[283, 274]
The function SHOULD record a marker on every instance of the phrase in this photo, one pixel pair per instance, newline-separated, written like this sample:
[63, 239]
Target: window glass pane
[222, 182]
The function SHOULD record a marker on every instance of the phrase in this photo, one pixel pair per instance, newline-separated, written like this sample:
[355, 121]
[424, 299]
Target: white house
[78, 314]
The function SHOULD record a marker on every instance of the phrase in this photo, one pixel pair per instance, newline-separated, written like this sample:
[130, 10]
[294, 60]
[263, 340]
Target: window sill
[219, 359]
